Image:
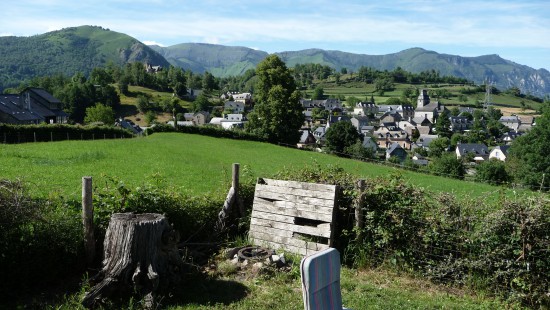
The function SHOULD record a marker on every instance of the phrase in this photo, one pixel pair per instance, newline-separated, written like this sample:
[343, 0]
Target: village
[400, 131]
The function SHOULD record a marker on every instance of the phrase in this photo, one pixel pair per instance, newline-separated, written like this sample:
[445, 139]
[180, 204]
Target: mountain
[219, 60]
[67, 51]
[79, 49]
[223, 61]
[502, 72]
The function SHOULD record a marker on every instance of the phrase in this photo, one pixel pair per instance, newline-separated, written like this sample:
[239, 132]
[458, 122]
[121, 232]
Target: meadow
[201, 167]
[190, 163]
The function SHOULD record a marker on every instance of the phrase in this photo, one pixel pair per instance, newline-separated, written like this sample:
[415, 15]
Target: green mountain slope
[219, 60]
[503, 72]
[67, 51]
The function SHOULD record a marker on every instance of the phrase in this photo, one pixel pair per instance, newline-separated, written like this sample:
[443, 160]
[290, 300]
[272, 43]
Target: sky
[515, 30]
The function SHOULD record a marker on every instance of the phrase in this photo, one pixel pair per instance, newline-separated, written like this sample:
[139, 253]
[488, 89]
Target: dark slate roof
[393, 147]
[8, 105]
[44, 94]
[503, 148]
[476, 148]
[460, 120]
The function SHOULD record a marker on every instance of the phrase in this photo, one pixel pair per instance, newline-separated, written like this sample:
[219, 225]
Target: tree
[318, 93]
[358, 151]
[528, 155]
[492, 171]
[277, 114]
[340, 136]
[448, 165]
[100, 113]
[439, 146]
[201, 103]
[443, 125]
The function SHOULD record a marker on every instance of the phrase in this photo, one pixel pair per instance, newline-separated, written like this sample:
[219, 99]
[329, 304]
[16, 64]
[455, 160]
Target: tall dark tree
[277, 114]
[341, 136]
[443, 125]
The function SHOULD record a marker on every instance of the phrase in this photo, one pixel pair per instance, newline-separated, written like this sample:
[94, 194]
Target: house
[359, 122]
[427, 109]
[513, 122]
[370, 144]
[201, 118]
[306, 138]
[181, 123]
[336, 118]
[152, 69]
[129, 125]
[510, 136]
[216, 121]
[31, 106]
[390, 116]
[424, 141]
[389, 133]
[319, 134]
[479, 150]
[233, 106]
[365, 109]
[188, 117]
[231, 121]
[395, 150]
[460, 123]
[499, 152]
[419, 160]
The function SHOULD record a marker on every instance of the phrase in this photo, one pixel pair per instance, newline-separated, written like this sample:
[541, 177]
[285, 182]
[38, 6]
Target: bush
[58, 132]
[211, 131]
[40, 241]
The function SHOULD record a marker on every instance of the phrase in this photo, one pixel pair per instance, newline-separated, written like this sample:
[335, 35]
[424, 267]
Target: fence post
[235, 185]
[359, 217]
[88, 219]
[51, 136]
[34, 134]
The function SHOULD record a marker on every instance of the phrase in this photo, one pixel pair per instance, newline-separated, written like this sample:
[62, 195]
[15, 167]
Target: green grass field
[191, 163]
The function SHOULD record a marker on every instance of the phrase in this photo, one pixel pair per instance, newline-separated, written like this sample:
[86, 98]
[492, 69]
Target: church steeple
[423, 99]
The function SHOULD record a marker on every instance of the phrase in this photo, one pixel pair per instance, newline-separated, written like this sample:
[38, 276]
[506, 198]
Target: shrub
[40, 241]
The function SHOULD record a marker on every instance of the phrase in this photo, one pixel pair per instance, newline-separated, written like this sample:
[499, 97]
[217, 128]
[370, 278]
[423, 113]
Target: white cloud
[147, 42]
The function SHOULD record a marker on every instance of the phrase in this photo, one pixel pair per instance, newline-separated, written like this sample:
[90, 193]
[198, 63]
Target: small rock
[275, 258]
[245, 263]
[235, 260]
[257, 266]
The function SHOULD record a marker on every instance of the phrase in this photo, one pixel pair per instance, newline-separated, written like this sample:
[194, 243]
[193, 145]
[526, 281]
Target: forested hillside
[68, 51]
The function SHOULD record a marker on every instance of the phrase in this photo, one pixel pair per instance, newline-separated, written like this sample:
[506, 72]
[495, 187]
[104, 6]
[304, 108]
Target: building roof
[393, 147]
[476, 148]
[9, 106]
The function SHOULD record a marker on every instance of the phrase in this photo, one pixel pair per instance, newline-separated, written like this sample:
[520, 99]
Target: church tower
[423, 99]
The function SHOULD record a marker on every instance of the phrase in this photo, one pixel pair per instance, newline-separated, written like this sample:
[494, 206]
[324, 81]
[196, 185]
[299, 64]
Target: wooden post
[34, 134]
[359, 217]
[235, 185]
[51, 136]
[232, 197]
[88, 219]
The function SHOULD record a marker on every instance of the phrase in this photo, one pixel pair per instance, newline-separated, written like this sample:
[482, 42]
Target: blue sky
[516, 30]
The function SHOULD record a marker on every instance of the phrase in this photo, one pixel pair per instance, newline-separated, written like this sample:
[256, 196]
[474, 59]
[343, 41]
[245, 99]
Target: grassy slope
[190, 162]
[364, 91]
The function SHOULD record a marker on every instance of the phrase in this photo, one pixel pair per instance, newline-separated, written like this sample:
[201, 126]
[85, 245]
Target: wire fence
[416, 168]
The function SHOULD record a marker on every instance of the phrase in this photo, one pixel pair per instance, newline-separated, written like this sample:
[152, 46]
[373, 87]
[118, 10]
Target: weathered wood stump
[140, 256]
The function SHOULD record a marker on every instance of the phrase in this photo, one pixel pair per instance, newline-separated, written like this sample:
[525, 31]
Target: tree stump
[140, 256]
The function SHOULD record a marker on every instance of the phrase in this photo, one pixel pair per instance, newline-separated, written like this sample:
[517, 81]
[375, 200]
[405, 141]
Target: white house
[500, 152]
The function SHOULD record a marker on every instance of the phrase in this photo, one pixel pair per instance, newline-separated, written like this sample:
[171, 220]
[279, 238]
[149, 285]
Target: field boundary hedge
[13, 134]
